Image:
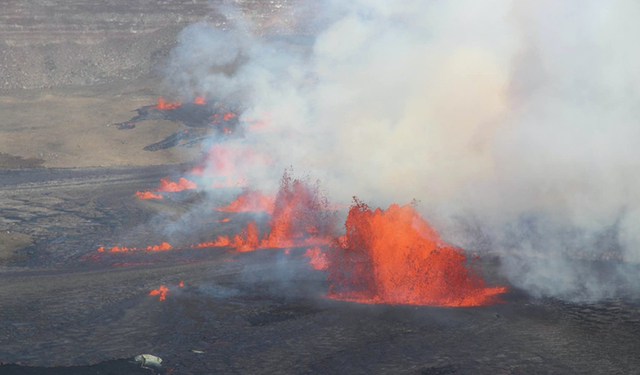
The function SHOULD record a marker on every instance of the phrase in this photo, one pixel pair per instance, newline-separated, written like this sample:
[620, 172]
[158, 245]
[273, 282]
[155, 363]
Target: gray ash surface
[112, 367]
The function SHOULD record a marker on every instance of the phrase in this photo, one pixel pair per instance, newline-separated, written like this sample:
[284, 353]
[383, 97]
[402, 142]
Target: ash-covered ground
[72, 69]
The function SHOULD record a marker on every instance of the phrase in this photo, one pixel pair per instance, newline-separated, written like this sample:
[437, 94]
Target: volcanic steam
[513, 122]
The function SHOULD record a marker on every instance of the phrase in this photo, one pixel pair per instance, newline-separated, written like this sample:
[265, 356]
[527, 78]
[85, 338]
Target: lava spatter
[393, 256]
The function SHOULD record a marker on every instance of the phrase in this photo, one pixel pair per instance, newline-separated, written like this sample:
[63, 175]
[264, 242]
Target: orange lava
[227, 131]
[167, 105]
[182, 184]
[250, 200]
[161, 291]
[199, 100]
[222, 241]
[162, 247]
[225, 220]
[299, 216]
[181, 284]
[117, 249]
[228, 116]
[247, 240]
[395, 257]
[299, 219]
[317, 258]
[147, 195]
[216, 119]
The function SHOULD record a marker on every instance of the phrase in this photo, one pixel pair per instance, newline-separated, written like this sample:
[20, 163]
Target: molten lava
[167, 186]
[299, 218]
[248, 239]
[250, 200]
[216, 118]
[161, 291]
[317, 258]
[182, 184]
[117, 249]
[228, 116]
[147, 195]
[167, 105]
[199, 100]
[395, 257]
[162, 247]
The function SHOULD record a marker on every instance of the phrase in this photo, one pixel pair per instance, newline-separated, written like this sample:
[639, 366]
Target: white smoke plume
[514, 122]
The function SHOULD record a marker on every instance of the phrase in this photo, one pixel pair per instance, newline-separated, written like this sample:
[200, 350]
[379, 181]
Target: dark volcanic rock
[118, 366]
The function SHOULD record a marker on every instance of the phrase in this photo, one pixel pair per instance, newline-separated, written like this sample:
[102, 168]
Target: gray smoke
[515, 123]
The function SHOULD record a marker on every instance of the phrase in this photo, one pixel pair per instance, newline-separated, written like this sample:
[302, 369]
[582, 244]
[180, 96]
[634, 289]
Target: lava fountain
[299, 218]
[393, 256]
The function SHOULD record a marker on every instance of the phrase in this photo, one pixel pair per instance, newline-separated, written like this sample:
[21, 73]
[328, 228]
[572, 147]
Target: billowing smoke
[513, 122]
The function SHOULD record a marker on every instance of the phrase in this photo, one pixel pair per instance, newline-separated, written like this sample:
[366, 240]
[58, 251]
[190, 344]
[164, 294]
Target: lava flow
[250, 200]
[167, 105]
[170, 186]
[161, 291]
[167, 186]
[164, 246]
[216, 118]
[147, 195]
[393, 256]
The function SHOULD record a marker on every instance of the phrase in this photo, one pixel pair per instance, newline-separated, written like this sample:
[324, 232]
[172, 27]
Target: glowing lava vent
[393, 256]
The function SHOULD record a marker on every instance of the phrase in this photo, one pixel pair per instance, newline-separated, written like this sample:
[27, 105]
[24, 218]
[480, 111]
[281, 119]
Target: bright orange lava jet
[299, 218]
[395, 257]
